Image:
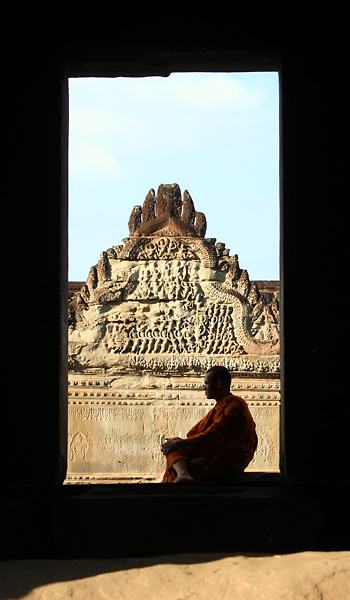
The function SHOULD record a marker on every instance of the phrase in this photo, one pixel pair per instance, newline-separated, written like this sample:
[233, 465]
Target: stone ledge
[160, 519]
[111, 521]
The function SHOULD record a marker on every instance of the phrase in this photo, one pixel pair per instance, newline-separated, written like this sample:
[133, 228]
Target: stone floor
[307, 575]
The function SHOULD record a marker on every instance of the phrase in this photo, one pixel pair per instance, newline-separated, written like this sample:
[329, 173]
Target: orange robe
[219, 445]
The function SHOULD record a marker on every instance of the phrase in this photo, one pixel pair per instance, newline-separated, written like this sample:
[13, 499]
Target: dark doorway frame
[305, 511]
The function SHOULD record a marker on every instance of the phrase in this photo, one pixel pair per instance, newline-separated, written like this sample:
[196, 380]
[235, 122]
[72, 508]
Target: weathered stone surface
[155, 313]
[303, 576]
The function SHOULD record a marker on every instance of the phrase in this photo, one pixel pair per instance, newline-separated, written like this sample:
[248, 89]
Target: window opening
[140, 340]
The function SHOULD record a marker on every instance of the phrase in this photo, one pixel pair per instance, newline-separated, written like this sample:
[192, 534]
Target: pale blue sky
[215, 134]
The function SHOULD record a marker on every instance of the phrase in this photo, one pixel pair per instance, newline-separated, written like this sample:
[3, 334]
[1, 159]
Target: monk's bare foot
[184, 479]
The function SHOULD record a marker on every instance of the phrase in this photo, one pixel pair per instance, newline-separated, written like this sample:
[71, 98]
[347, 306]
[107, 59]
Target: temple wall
[155, 313]
[116, 424]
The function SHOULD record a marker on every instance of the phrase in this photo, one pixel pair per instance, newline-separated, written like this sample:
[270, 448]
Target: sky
[214, 134]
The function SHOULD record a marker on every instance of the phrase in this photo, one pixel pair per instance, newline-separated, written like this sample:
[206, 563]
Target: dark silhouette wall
[308, 50]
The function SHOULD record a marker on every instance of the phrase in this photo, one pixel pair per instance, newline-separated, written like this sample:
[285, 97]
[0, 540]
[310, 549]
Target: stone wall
[154, 314]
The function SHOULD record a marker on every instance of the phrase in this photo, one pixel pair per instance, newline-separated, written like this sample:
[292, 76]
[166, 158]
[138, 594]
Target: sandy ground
[308, 575]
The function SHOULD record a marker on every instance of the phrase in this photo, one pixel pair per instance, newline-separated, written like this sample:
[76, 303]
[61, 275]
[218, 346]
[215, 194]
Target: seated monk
[220, 445]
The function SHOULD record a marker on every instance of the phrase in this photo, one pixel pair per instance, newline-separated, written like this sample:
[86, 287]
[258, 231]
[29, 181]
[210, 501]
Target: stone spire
[166, 213]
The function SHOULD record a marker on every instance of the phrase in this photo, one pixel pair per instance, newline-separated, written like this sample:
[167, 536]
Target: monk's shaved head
[220, 373]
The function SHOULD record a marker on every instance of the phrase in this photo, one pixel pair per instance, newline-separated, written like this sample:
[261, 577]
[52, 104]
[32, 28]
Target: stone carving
[79, 445]
[108, 441]
[167, 302]
[167, 214]
[148, 210]
[188, 210]
[200, 224]
[198, 299]
[265, 453]
[135, 220]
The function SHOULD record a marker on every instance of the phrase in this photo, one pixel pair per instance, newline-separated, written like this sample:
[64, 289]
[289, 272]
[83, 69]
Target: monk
[220, 445]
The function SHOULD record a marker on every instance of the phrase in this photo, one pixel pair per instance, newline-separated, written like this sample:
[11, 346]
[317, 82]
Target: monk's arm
[173, 444]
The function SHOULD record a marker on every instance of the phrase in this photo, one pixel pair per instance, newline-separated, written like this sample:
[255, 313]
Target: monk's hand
[169, 445]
